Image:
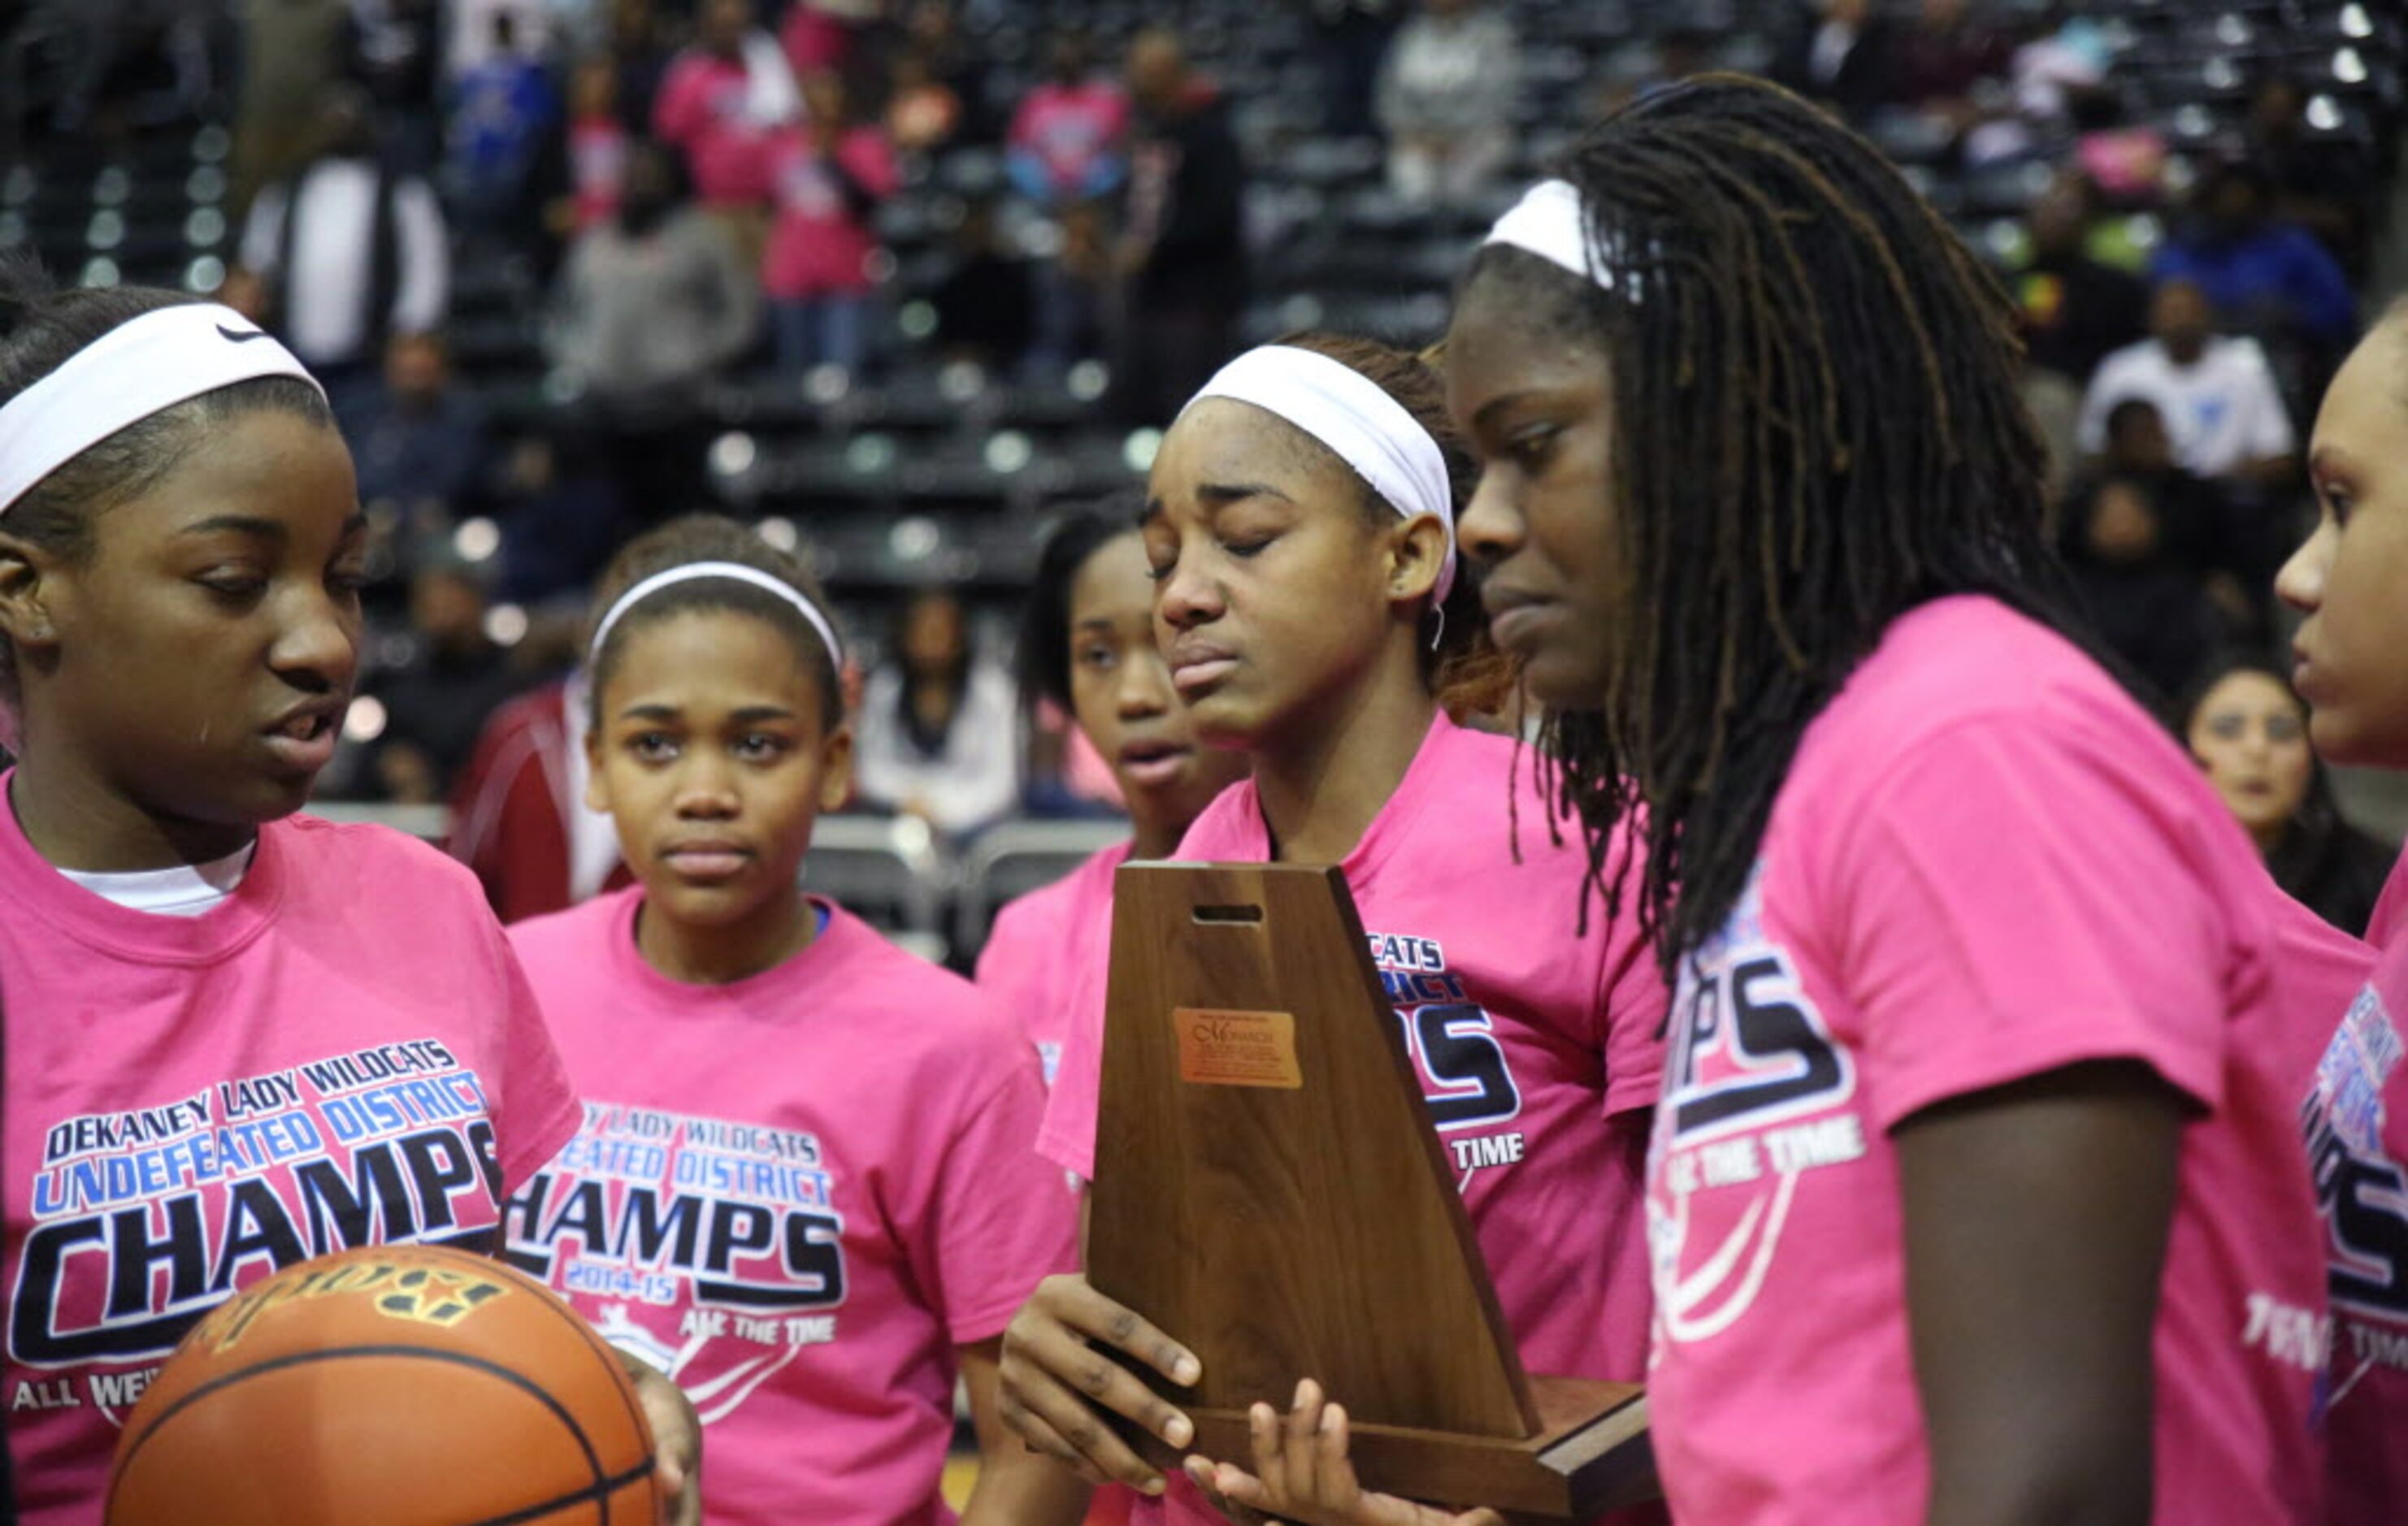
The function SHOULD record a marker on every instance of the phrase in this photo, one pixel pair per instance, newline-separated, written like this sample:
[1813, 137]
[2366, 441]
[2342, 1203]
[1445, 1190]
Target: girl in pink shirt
[2350, 584]
[1087, 644]
[1976, 1190]
[236, 1037]
[826, 177]
[1300, 531]
[721, 102]
[803, 1183]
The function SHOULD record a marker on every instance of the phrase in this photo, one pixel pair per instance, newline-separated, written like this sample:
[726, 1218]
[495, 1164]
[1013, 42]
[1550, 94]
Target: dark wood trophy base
[1269, 1190]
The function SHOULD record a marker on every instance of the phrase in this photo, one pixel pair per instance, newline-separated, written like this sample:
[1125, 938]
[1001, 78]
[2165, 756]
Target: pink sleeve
[675, 114]
[537, 1111]
[1633, 1001]
[998, 1219]
[2017, 895]
[871, 162]
[1067, 1137]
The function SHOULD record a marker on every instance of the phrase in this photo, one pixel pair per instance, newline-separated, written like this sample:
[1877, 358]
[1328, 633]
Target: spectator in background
[2125, 158]
[519, 816]
[1947, 65]
[1446, 97]
[286, 57]
[2136, 565]
[1349, 40]
[1067, 137]
[724, 102]
[592, 162]
[394, 49]
[1075, 290]
[640, 52]
[2322, 183]
[562, 512]
[2217, 395]
[502, 111]
[1843, 59]
[538, 26]
[1182, 248]
[820, 35]
[437, 700]
[984, 304]
[418, 445]
[932, 33]
[348, 251]
[923, 112]
[2076, 309]
[938, 737]
[2229, 536]
[2262, 274]
[2249, 732]
[826, 180]
[646, 310]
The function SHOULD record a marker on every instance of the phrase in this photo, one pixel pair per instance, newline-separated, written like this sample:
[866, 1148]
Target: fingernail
[1151, 1486]
[1179, 1433]
[1186, 1369]
[1331, 1418]
[1303, 1387]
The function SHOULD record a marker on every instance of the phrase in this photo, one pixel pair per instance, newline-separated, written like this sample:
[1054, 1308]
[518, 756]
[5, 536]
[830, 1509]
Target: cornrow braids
[1817, 426]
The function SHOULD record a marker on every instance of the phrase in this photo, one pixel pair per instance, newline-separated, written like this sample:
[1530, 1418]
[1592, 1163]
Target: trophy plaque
[1269, 1190]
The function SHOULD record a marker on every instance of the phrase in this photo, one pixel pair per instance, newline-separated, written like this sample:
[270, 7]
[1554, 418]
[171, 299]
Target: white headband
[1548, 223]
[735, 571]
[1347, 411]
[133, 371]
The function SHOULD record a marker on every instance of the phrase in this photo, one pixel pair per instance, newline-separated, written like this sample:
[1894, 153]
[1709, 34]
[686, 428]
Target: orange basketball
[400, 1386]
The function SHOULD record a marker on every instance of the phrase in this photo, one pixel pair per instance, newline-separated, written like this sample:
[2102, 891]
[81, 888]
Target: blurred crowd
[698, 191]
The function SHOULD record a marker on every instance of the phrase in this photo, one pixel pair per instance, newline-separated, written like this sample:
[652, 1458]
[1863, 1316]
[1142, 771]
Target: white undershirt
[188, 889]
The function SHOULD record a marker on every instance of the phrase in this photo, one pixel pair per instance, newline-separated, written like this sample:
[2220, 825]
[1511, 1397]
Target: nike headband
[135, 370]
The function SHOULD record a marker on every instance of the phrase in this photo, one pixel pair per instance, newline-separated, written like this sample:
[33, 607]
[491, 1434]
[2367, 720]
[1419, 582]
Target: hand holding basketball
[676, 1442]
[393, 1386]
[1302, 1475]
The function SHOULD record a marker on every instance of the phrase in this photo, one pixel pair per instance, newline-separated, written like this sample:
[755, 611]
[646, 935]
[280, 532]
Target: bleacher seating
[924, 469]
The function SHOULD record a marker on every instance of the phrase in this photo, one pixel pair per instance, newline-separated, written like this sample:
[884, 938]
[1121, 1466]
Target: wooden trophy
[1269, 1190]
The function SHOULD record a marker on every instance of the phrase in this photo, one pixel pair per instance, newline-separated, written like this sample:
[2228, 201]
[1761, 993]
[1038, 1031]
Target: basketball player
[1975, 1192]
[1310, 600]
[236, 1038]
[1087, 645]
[2350, 583]
[805, 1183]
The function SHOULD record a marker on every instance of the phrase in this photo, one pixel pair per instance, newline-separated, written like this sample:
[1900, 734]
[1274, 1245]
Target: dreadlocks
[1816, 427]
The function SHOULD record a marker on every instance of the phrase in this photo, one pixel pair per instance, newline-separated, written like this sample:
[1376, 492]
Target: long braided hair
[1817, 426]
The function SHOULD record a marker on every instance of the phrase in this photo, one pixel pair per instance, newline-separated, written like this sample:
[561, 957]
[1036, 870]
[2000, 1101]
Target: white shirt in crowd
[974, 779]
[2221, 412]
[326, 290]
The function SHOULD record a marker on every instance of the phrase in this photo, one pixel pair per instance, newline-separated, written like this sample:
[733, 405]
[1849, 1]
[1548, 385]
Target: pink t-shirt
[598, 168]
[343, 1053]
[1041, 941]
[797, 1194]
[1986, 863]
[702, 109]
[2356, 1118]
[817, 243]
[1068, 127]
[1536, 1046]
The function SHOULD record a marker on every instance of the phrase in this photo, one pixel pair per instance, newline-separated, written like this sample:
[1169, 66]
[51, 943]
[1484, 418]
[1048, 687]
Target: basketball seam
[598, 1494]
[558, 1305]
[303, 1358]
